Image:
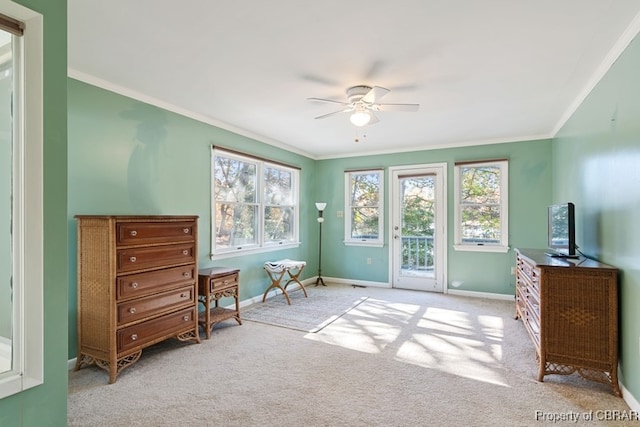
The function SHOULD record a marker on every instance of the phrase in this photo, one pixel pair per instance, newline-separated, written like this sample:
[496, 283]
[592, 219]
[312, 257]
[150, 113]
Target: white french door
[418, 227]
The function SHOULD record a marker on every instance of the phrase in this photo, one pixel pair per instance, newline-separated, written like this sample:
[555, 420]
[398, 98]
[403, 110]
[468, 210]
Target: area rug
[324, 305]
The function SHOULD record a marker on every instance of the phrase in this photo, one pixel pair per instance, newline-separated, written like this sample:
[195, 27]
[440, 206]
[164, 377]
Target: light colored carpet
[322, 306]
[400, 358]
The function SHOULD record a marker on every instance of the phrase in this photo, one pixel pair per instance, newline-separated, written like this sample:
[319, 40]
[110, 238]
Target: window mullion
[261, 205]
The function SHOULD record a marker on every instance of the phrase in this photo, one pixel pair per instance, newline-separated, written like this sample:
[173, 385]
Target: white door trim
[441, 255]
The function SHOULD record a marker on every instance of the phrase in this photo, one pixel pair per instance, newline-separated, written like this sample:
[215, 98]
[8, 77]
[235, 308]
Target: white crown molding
[439, 146]
[618, 48]
[138, 96]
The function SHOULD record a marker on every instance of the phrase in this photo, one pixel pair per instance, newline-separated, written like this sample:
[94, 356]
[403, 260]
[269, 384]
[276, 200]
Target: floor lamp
[320, 207]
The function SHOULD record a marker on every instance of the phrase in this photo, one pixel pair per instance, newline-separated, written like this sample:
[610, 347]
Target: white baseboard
[364, 283]
[446, 291]
[475, 294]
[630, 399]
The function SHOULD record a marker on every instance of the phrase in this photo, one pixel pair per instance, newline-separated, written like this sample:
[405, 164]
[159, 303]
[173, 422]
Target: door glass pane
[6, 185]
[418, 225]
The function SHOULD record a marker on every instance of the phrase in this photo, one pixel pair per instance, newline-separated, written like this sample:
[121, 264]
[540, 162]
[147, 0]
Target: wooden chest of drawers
[136, 286]
[570, 310]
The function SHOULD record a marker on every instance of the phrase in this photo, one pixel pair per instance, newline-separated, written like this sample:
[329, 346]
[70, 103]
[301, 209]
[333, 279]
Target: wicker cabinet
[570, 310]
[213, 284]
[136, 286]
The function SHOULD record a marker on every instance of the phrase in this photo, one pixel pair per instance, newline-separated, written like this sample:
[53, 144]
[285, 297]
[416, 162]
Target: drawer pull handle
[134, 337]
[133, 233]
[226, 282]
[186, 230]
[133, 259]
[185, 252]
[134, 285]
[186, 274]
[183, 295]
[132, 310]
[185, 318]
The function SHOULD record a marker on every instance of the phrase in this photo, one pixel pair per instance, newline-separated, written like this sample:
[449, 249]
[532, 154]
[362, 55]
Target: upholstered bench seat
[276, 270]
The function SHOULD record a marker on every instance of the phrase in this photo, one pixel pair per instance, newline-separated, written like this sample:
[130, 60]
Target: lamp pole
[320, 207]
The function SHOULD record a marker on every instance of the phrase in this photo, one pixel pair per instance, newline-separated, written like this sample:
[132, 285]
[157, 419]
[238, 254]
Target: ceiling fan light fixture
[362, 104]
[360, 117]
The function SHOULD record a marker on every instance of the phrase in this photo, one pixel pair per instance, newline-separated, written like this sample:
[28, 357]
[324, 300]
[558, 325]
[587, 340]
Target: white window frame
[348, 240]
[503, 245]
[261, 245]
[28, 301]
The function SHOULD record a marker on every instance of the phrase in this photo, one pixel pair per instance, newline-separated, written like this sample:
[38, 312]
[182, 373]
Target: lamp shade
[320, 206]
[360, 118]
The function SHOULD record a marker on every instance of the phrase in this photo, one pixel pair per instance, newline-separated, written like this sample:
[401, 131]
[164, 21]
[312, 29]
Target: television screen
[561, 232]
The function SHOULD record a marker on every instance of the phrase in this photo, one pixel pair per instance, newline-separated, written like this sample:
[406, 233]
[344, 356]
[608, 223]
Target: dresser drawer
[153, 305]
[155, 256]
[137, 335]
[143, 233]
[141, 284]
[222, 282]
[529, 274]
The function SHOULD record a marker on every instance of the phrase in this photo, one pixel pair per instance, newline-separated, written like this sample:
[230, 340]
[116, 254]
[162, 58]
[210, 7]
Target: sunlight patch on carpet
[450, 341]
[369, 327]
[457, 343]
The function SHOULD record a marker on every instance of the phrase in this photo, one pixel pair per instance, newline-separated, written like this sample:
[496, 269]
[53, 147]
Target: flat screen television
[562, 230]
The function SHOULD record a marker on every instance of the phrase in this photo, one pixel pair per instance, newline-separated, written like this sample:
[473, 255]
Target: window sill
[363, 243]
[481, 248]
[251, 251]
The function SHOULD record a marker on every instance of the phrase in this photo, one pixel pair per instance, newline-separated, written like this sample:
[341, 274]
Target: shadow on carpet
[323, 306]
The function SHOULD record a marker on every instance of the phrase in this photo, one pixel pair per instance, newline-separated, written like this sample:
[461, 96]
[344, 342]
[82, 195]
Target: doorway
[418, 227]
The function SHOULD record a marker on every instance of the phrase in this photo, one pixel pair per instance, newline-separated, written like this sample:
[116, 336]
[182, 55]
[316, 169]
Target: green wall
[596, 164]
[595, 161]
[127, 157]
[46, 405]
[529, 195]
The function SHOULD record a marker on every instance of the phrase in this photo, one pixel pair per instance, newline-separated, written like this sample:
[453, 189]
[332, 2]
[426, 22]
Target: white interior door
[418, 224]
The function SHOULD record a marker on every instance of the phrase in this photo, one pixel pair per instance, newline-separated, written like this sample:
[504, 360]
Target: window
[364, 202]
[254, 204]
[481, 213]
[21, 210]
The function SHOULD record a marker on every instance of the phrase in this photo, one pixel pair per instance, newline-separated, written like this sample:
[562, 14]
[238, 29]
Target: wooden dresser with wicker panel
[570, 309]
[137, 286]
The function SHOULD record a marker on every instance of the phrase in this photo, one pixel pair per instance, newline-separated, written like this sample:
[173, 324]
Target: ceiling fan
[363, 103]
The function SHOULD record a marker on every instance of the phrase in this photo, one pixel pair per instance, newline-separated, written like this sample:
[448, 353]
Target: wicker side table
[213, 284]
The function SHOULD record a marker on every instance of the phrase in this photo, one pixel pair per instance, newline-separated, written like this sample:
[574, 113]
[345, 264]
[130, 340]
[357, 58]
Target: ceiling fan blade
[328, 100]
[397, 107]
[344, 110]
[319, 79]
[374, 94]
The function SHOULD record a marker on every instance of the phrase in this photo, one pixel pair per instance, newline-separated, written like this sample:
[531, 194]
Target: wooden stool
[278, 269]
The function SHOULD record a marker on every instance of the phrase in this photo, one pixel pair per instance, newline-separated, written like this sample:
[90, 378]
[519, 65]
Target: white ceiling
[482, 71]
